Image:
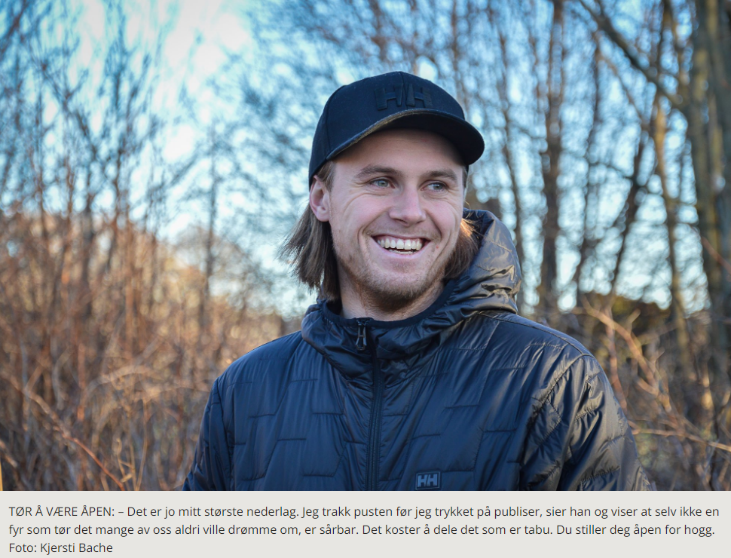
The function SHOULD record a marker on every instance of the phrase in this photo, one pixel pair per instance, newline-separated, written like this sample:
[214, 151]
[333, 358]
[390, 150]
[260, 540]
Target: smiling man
[413, 371]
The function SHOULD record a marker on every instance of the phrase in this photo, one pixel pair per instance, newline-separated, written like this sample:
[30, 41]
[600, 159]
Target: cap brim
[465, 137]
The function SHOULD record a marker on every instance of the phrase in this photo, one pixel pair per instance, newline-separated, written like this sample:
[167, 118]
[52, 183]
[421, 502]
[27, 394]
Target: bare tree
[109, 335]
[697, 91]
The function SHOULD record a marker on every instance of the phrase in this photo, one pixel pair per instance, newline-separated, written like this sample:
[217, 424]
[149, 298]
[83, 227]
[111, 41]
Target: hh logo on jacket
[428, 481]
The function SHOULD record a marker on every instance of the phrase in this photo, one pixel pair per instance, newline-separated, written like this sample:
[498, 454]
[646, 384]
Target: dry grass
[104, 382]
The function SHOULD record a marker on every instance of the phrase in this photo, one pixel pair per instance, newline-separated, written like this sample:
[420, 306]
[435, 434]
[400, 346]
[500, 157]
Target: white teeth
[400, 244]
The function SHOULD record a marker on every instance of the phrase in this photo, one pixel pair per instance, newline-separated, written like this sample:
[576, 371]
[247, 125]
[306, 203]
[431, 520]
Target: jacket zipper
[362, 342]
[374, 428]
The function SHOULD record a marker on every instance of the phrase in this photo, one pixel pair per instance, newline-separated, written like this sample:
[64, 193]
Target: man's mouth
[400, 245]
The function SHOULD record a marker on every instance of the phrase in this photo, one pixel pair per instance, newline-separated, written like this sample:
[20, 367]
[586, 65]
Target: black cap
[393, 100]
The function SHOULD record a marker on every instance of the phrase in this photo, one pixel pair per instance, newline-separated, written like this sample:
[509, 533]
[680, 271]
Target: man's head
[384, 223]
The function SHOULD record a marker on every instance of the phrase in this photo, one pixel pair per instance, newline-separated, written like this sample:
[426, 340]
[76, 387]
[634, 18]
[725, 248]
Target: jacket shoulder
[553, 363]
[265, 359]
[544, 359]
[535, 334]
[577, 435]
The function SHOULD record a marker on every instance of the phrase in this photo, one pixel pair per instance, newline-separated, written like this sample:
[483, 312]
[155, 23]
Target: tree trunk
[703, 164]
[550, 161]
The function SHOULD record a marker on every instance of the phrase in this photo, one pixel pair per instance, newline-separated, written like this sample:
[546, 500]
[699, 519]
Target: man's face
[395, 210]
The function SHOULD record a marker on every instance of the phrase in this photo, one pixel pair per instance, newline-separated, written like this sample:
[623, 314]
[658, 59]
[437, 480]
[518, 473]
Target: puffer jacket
[464, 396]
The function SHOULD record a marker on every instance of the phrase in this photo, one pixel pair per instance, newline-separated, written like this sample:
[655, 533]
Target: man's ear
[320, 200]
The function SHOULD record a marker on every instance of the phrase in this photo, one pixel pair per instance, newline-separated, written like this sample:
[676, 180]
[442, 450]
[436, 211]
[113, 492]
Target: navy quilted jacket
[465, 396]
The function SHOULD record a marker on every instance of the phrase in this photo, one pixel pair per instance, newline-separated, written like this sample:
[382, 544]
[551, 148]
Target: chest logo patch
[429, 481]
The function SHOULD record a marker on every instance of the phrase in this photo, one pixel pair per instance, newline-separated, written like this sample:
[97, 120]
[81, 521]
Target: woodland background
[140, 216]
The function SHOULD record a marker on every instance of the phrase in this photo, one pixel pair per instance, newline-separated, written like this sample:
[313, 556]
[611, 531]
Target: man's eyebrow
[370, 170]
[441, 173]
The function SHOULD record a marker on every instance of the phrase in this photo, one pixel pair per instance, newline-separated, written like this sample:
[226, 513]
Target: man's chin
[398, 295]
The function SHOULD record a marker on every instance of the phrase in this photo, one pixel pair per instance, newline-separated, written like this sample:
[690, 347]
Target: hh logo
[428, 481]
[397, 96]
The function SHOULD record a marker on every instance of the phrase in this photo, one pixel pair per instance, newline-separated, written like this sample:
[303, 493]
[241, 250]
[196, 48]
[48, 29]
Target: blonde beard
[388, 297]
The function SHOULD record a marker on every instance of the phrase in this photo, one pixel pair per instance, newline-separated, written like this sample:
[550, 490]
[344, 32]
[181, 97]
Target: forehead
[408, 149]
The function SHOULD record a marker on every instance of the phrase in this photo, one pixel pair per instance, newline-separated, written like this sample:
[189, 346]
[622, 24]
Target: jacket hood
[490, 283]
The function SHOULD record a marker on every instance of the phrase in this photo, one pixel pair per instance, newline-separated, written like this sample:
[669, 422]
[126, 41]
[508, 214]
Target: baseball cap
[388, 101]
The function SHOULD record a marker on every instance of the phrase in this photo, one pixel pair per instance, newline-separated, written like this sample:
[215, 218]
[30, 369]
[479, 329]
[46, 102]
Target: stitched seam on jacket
[590, 410]
[280, 338]
[548, 395]
[551, 430]
[217, 457]
[416, 436]
[549, 473]
[618, 468]
[239, 383]
[337, 467]
[288, 362]
[495, 243]
[246, 379]
[343, 373]
[604, 474]
[559, 377]
[269, 461]
[484, 346]
[617, 437]
[547, 331]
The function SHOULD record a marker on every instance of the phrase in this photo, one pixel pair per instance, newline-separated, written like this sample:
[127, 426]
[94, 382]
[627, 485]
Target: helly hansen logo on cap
[428, 481]
[397, 96]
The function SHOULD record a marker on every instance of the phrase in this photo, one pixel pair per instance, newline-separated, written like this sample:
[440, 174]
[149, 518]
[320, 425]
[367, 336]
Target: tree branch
[650, 73]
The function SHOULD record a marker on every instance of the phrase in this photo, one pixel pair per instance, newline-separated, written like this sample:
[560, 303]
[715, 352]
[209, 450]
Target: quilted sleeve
[580, 439]
[212, 463]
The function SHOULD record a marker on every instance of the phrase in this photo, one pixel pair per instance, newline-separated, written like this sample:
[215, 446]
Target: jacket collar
[490, 283]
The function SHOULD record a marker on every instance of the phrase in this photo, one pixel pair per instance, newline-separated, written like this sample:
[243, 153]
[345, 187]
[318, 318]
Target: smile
[400, 245]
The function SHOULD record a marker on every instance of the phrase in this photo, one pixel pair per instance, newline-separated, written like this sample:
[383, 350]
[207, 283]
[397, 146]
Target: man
[413, 371]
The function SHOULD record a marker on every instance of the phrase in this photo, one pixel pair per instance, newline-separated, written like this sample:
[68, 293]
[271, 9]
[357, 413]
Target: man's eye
[380, 182]
[438, 186]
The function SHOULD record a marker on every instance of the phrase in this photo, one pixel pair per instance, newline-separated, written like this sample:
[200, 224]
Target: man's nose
[407, 207]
